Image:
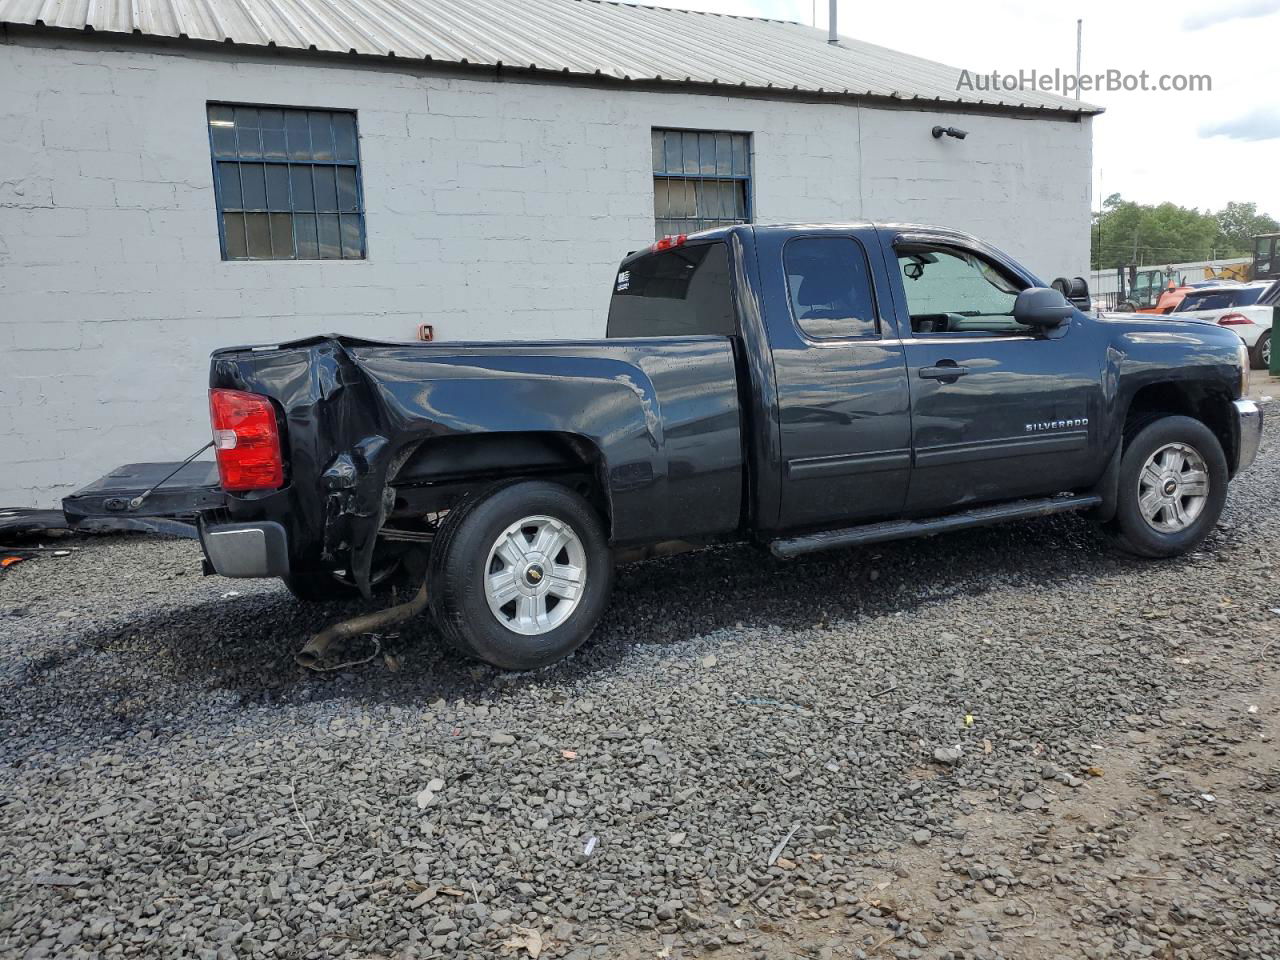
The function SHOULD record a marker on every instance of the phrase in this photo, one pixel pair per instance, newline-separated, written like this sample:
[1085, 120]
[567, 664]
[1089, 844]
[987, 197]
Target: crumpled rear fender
[355, 411]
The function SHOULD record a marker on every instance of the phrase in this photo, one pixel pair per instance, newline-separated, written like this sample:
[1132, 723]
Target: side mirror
[1041, 307]
[1076, 290]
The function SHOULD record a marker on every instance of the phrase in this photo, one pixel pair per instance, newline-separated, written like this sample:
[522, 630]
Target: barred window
[287, 183]
[701, 179]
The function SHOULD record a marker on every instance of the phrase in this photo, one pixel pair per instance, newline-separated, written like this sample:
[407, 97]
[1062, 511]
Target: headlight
[1242, 358]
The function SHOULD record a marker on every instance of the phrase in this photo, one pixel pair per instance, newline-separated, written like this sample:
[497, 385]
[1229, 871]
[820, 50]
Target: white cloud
[1260, 124]
[1224, 12]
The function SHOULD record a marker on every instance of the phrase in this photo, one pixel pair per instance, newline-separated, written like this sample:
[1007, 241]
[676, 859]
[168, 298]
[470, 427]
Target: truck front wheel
[520, 574]
[1173, 483]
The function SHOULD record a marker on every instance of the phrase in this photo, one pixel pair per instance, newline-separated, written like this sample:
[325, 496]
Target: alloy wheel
[1173, 487]
[535, 575]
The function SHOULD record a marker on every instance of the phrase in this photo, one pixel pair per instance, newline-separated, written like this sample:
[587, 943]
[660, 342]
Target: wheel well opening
[1210, 406]
[445, 469]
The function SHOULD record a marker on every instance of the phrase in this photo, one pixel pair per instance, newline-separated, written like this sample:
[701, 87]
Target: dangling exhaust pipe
[314, 651]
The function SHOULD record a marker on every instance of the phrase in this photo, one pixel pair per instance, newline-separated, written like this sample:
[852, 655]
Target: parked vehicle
[1240, 271]
[1247, 309]
[1157, 290]
[1168, 301]
[1266, 257]
[1134, 289]
[1147, 290]
[802, 387]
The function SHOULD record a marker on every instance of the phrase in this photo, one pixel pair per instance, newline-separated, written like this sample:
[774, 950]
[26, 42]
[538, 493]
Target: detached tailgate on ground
[120, 500]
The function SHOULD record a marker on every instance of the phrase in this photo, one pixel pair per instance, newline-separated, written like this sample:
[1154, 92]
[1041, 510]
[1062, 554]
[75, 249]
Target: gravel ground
[1007, 743]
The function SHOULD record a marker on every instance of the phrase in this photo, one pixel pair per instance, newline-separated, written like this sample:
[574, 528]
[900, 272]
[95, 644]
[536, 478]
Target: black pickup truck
[803, 387]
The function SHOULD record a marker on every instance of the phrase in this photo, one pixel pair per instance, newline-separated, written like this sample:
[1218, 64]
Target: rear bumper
[1248, 432]
[246, 549]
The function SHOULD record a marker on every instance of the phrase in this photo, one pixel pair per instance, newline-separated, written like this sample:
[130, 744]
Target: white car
[1246, 308]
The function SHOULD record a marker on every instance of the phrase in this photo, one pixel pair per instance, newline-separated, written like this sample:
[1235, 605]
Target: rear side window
[682, 292]
[830, 287]
[1220, 299]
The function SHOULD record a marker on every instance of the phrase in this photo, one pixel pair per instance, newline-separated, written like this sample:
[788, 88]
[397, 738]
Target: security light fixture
[939, 132]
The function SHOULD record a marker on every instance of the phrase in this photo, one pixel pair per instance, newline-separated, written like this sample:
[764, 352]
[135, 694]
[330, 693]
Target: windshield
[1219, 299]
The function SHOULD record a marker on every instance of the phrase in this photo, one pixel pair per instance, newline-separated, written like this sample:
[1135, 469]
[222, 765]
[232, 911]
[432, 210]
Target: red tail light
[1233, 319]
[246, 441]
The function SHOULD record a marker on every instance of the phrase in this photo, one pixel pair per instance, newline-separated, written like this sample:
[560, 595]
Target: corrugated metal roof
[581, 37]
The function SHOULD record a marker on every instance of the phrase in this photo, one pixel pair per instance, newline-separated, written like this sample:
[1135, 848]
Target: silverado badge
[1057, 425]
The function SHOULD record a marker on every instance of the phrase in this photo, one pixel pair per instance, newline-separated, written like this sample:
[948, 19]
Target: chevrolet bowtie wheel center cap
[1173, 487]
[536, 574]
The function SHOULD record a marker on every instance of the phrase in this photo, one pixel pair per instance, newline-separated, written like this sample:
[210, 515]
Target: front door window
[955, 291]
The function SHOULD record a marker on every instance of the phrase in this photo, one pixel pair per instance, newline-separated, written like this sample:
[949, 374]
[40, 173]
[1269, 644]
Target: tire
[486, 552]
[1261, 352]
[1178, 450]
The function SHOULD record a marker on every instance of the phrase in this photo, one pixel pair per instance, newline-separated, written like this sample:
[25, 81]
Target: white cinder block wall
[493, 210]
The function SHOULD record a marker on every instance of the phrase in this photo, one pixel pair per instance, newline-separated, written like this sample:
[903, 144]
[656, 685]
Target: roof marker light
[669, 241]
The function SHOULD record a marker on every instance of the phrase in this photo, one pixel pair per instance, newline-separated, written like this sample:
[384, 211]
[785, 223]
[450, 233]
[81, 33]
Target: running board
[905, 529]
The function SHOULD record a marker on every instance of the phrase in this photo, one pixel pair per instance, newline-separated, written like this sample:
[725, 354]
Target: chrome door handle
[947, 371]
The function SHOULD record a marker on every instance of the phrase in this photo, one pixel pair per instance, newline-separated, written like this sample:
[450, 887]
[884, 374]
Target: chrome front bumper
[1248, 432]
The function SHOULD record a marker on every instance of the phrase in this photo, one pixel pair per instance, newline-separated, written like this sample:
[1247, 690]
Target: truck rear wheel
[520, 574]
[1173, 483]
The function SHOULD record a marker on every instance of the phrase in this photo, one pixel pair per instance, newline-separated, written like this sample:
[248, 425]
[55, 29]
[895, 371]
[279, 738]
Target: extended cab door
[999, 410]
[842, 399]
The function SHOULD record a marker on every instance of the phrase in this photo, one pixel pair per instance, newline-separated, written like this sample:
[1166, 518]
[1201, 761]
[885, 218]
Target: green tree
[1125, 232]
[1238, 224]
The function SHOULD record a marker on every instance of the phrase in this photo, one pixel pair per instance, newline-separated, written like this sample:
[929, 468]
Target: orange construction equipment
[1149, 290]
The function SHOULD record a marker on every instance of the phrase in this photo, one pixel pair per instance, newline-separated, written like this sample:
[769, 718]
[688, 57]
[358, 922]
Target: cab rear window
[681, 292]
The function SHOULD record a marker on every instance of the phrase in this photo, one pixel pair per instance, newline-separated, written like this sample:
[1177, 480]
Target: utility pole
[1100, 193]
[1079, 47]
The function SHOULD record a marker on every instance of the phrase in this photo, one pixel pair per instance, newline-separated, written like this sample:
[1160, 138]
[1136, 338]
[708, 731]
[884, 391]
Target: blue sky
[1195, 149]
